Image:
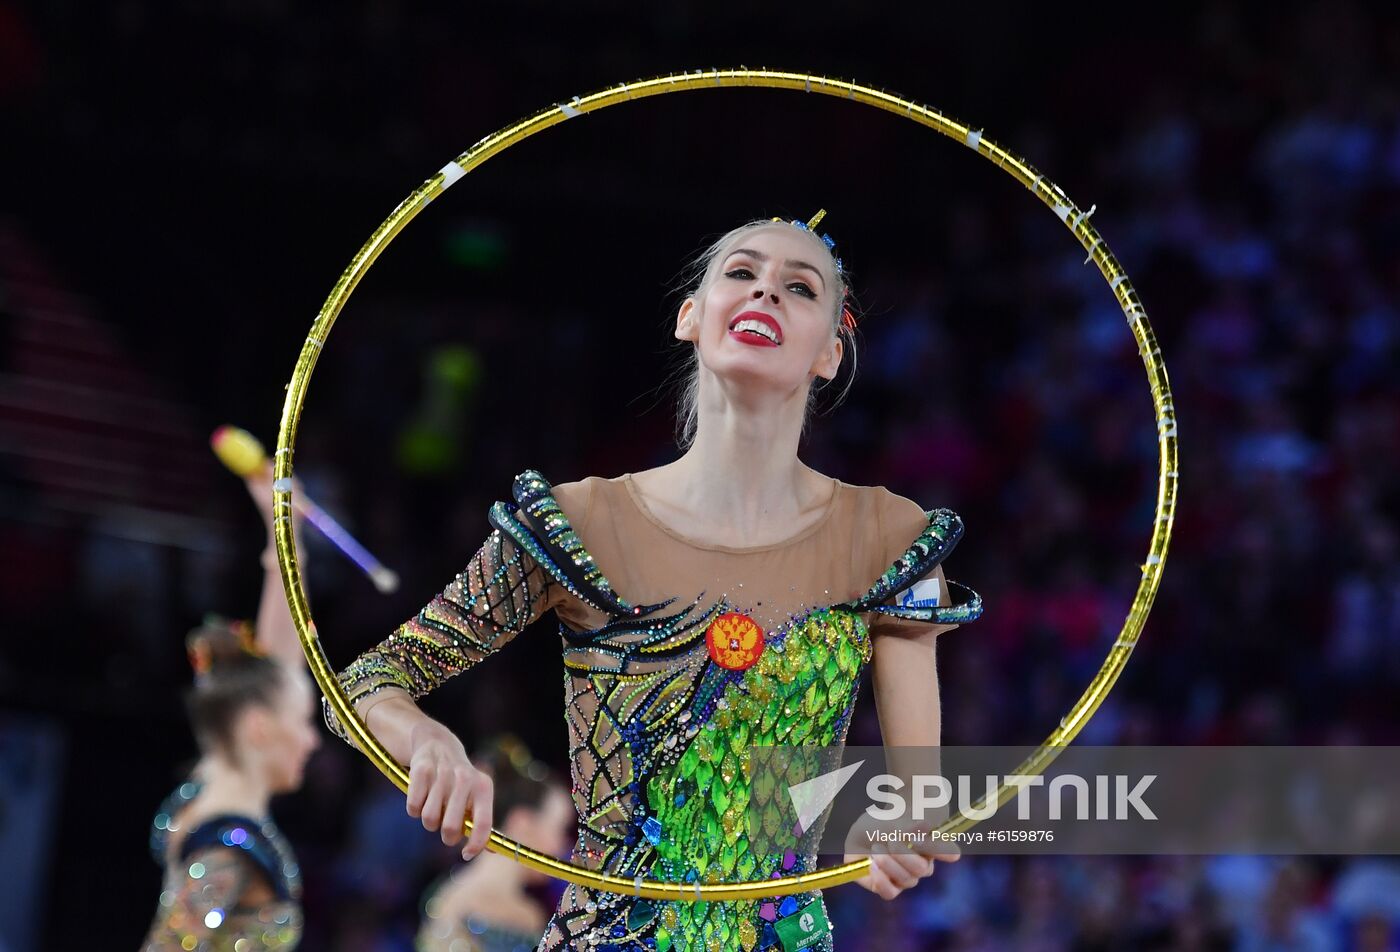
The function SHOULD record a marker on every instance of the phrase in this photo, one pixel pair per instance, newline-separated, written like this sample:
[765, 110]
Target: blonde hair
[698, 275]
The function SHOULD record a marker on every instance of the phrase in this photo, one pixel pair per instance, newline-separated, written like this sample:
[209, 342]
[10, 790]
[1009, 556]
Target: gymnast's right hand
[444, 788]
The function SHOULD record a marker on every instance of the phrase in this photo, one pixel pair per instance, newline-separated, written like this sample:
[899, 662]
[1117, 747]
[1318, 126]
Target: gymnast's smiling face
[765, 315]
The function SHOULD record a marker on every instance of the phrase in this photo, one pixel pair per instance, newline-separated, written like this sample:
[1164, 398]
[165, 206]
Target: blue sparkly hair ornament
[848, 317]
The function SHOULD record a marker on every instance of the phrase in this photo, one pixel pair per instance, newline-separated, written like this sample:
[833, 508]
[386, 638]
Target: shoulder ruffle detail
[539, 527]
[942, 534]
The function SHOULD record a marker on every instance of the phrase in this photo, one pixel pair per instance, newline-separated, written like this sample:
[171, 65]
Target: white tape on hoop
[451, 172]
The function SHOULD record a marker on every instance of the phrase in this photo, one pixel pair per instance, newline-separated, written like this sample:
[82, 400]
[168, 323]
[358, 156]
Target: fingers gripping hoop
[1074, 218]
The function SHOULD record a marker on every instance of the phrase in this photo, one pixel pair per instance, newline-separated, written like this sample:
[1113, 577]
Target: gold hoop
[1050, 194]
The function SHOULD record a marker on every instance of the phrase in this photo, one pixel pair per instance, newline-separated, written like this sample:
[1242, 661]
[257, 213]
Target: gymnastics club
[241, 452]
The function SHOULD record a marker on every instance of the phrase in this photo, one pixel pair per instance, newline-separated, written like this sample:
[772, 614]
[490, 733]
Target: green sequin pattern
[800, 691]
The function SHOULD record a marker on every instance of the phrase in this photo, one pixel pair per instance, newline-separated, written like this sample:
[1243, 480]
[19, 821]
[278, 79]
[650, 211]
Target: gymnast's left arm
[905, 679]
[904, 673]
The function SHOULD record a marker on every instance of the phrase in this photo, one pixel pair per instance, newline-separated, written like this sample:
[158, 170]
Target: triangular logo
[811, 797]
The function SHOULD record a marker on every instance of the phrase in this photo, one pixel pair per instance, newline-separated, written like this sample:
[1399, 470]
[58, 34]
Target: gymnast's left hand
[895, 868]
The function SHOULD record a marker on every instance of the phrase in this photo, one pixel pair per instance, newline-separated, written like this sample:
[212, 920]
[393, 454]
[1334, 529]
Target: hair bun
[220, 643]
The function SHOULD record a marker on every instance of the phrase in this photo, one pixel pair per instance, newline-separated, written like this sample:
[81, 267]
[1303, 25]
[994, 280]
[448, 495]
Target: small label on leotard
[924, 594]
[803, 928]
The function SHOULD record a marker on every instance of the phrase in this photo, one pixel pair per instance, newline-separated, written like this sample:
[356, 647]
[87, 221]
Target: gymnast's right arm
[499, 593]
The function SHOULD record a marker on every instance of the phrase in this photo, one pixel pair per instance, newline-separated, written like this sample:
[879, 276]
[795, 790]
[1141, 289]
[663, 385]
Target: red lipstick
[753, 337]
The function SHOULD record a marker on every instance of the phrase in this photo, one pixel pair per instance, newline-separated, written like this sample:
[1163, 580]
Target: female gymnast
[231, 881]
[730, 598]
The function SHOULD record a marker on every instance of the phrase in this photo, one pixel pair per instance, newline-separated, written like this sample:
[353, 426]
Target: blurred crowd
[1256, 205]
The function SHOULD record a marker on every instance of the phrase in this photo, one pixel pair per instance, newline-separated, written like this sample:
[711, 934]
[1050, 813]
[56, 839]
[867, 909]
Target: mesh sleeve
[501, 591]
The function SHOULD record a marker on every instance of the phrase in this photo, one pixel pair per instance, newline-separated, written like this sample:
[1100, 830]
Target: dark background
[183, 182]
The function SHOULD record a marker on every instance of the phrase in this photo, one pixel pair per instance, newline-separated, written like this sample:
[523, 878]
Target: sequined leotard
[659, 732]
[233, 886]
